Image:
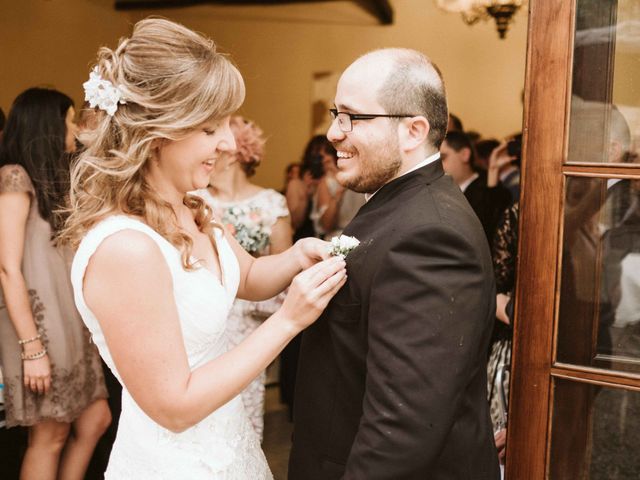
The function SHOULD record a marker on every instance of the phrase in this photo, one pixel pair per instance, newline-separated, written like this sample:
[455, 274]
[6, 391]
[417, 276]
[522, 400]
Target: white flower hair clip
[342, 245]
[102, 93]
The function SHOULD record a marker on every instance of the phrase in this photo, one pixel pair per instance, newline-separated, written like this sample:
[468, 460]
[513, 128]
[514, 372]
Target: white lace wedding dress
[223, 446]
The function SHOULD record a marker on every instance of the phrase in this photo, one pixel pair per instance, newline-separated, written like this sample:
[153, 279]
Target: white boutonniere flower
[342, 245]
[102, 93]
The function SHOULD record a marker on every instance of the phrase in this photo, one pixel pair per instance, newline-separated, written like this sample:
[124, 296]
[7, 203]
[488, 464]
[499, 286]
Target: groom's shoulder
[435, 198]
[434, 205]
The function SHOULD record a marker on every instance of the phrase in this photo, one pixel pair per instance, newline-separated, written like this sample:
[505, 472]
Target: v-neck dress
[221, 446]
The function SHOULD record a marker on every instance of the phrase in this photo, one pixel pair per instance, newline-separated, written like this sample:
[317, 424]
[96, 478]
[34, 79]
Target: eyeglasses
[345, 119]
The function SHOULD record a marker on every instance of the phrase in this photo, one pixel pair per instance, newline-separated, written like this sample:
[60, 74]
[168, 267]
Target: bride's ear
[156, 145]
[413, 132]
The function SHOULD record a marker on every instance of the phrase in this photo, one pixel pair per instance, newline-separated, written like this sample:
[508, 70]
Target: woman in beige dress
[53, 378]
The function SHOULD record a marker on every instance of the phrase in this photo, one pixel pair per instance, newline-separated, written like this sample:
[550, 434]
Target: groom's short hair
[414, 86]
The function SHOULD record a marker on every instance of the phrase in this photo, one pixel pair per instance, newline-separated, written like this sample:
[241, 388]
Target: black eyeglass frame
[363, 116]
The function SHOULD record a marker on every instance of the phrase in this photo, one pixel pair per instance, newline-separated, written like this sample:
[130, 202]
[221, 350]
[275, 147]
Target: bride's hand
[310, 251]
[311, 291]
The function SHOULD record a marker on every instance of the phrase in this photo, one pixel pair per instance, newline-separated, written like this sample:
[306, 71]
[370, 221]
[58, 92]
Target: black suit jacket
[392, 377]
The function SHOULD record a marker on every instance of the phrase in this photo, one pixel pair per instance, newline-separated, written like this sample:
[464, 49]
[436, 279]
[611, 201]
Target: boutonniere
[342, 245]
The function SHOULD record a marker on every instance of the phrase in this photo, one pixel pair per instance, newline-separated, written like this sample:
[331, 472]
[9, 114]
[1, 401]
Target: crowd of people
[139, 263]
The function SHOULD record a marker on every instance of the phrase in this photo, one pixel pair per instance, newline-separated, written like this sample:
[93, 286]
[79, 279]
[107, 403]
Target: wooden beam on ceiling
[381, 9]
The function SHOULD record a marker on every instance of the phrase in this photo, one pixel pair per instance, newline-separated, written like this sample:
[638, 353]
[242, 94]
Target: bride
[154, 275]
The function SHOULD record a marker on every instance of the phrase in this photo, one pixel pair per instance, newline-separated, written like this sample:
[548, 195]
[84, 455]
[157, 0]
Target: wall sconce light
[472, 11]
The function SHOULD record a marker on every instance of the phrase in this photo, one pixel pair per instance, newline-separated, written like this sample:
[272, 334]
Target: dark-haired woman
[52, 374]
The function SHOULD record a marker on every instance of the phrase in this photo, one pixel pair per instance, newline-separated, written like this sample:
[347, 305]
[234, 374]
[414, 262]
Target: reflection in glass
[599, 322]
[605, 104]
[595, 432]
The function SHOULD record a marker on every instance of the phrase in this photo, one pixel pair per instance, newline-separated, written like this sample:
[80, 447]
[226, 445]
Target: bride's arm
[128, 286]
[264, 277]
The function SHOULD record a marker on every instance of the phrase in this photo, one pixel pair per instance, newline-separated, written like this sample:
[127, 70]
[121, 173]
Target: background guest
[291, 171]
[454, 124]
[483, 152]
[458, 160]
[474, 136]
[300, 191]
[52, 373]
[333, 205]
[259, 219]
[504, 166]
[505, 253]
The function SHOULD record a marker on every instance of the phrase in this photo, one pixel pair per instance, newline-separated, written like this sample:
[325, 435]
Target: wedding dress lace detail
[222, 446]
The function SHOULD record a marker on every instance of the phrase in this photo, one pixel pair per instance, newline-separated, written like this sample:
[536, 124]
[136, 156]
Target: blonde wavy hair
[173, 81]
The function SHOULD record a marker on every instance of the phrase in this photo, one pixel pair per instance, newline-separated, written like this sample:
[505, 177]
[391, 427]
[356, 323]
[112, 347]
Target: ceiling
[380, 9]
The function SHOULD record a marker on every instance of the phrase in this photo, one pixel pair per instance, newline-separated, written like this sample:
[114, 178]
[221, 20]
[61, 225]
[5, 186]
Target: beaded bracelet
[29, 340]
[34, 356]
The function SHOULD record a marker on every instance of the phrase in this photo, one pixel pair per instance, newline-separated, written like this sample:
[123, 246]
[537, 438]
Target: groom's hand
[310, 251]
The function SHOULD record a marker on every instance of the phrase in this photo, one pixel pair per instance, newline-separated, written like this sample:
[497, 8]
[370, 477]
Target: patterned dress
[250, 221]
[505, 251]
[76, 372]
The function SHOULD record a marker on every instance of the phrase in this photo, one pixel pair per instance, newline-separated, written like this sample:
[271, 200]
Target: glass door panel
[605, 98]
[595, 432]
[599, 318]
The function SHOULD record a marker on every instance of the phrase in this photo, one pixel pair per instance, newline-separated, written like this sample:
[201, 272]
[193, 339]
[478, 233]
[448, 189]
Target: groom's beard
[376, 169]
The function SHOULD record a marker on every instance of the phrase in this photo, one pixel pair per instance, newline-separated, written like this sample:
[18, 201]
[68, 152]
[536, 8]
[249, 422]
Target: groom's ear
[413, 132]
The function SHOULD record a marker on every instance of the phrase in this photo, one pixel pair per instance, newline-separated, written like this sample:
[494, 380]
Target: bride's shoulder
[129, 245]
[122, 253]
[120, 235]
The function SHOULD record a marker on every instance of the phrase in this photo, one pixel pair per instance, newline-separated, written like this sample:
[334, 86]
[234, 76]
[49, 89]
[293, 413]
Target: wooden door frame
[548, 85]
[546, 102]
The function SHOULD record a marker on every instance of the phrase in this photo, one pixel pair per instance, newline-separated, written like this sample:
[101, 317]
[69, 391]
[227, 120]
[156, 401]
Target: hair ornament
[102, 93]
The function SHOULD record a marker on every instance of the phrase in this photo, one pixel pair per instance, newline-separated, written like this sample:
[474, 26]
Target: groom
[392, 377]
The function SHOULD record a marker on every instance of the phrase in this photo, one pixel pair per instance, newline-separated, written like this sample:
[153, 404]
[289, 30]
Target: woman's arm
[281, 235]
[329, 205]
[278, 269]
[502, 314]
[14, 211]
[297, 201]
[497, 160]
[129, 288]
